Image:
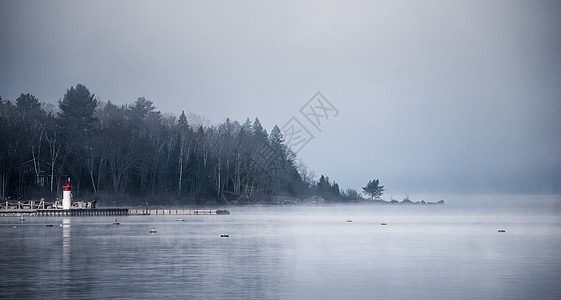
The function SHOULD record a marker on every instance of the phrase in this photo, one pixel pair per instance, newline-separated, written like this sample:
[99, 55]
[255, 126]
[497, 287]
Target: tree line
[138, 152]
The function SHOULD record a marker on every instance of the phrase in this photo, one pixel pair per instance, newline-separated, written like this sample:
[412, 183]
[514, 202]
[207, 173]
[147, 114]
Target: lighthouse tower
[66, 195]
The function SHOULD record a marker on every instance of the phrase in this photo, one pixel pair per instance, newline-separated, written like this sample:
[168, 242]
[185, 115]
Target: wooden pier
[66, 212]
[44, 208]
[178, 212]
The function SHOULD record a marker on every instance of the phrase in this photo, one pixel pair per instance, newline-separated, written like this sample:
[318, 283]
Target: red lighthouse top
[68, 186]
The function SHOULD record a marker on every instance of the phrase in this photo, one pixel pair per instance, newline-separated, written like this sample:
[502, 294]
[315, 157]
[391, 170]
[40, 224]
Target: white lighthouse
[66, 195]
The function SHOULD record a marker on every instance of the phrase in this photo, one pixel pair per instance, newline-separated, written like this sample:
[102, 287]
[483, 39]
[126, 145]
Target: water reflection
[65, 274]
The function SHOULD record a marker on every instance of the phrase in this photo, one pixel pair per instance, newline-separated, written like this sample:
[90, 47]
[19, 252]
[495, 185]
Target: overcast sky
[427, 96]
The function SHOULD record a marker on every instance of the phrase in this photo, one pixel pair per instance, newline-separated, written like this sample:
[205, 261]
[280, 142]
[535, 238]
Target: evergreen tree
[328, 190]
[77, 122]
[77, 110]
[258, 131]
[323, 186]
[182, 122]
[335, 192]
[143, 106]
[276, 140]
[27, 102]
[185, 146]
[374, 189]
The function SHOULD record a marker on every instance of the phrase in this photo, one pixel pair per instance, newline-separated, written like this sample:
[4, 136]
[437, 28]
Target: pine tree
[143, 106]
[182, 122]
[258, 132]
[27, 102]
[374, 189]
[77, 110]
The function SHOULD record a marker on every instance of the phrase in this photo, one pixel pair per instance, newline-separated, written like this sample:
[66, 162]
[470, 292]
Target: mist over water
[306, 252]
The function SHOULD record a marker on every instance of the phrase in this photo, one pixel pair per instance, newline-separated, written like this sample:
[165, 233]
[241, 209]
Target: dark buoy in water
[116, 223]
[224, 235]
[502, 230]
[153, 230]
[384, 224]
[49, 225]
[180, 220]
[349, 221]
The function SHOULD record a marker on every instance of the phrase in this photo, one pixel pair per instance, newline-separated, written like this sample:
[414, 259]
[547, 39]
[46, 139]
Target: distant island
[409, 202]
[319, 200]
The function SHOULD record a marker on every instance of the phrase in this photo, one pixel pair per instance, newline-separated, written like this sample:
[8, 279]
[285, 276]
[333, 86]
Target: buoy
[180, 220]
[349, 221]
[224, 235]
[502, 230]
[116, 223]
[153, 230]
[14, 226]
[49, 225]
[384, 224]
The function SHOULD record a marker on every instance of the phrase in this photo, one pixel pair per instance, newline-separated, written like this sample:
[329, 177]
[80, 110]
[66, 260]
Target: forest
[134, 154]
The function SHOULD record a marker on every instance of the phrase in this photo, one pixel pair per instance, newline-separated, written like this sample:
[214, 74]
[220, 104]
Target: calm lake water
[428, 252]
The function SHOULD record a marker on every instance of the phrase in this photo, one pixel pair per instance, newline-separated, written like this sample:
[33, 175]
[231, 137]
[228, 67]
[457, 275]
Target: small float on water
[153, 230]
[116, 223]
[224, 235]
[180, 220]
[349, 221]
[384, 224]
[502, 230]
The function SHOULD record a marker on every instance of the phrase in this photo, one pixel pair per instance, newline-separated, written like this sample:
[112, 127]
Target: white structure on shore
[67, 195]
